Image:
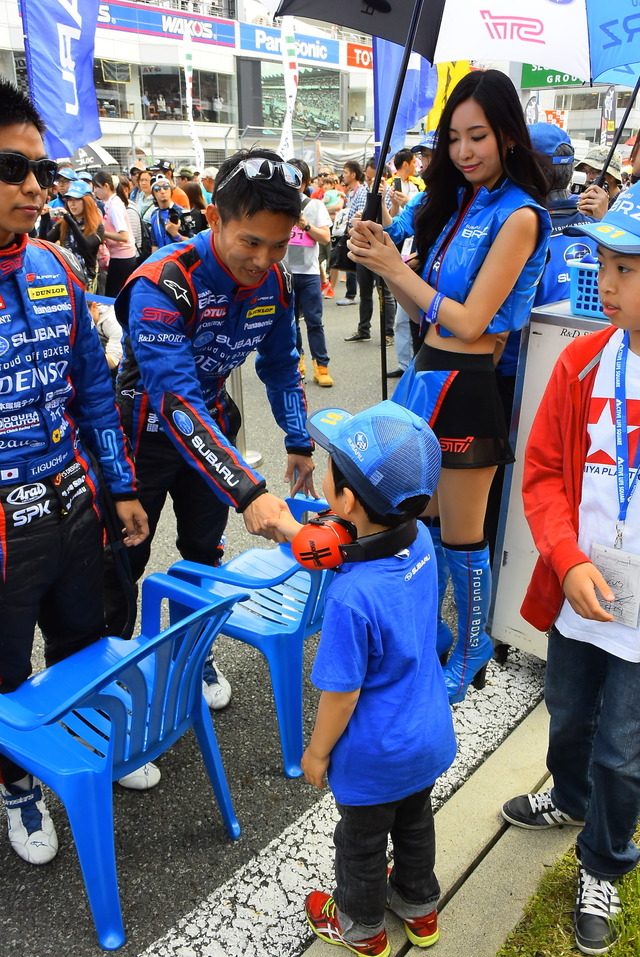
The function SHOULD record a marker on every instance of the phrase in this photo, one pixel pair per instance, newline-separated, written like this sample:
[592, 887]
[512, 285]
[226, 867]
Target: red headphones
[328, 541]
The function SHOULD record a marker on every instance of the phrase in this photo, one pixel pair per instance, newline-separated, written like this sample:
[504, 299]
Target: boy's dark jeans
[593, 698]
[360, 839]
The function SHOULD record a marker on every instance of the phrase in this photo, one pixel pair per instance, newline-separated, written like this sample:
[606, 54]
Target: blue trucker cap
[546, 139]
[77, 190]
[386, 452]
[428, 142]
[619, 230]
[67, 173]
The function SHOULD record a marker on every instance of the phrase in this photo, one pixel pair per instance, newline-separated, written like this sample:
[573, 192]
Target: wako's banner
[58, 41]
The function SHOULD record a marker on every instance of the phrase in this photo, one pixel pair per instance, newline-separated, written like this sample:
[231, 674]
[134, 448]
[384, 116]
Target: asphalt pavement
[186, 889]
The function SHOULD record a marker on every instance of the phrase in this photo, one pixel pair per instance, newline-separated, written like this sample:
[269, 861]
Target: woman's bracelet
[432, 311]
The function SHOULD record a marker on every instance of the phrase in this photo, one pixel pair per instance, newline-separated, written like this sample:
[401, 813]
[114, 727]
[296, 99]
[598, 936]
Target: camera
[174, 217]
[397, 184]
[578, 183]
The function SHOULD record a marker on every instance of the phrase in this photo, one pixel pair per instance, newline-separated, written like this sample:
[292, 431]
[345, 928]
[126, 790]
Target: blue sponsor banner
[267, 41]
[58, 41]
[160, 22]
[418, 91]
[614, 39]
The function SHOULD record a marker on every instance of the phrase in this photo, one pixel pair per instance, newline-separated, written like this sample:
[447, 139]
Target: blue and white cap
[77, 190]
[428, 142]
[67, 173]
[387, 453]
[620, 228]
[546, 138]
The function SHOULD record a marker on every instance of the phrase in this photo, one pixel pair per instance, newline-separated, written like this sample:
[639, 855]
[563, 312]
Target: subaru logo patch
[183, 422]
[576, 251]
[361, 441]
[203, 339]
[4, 346]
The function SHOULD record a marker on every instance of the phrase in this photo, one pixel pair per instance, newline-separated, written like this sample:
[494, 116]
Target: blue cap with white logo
[387, 452]
[77, 190]
[67, 173]
[428, 142]
[546, 138]
[620, 228]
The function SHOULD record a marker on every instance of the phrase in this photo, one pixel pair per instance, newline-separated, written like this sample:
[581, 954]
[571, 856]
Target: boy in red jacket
[580, 477]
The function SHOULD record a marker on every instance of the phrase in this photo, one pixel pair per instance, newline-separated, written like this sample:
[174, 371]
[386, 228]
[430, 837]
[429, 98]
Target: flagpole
[618, 134]
[373, 208]
[187, 55]
[290, 78]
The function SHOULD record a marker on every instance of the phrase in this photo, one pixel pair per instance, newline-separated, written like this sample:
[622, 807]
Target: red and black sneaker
[323, 920]
[422, 931]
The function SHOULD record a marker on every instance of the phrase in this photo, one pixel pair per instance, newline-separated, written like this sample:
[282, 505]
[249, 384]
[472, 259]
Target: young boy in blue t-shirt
[383, 730]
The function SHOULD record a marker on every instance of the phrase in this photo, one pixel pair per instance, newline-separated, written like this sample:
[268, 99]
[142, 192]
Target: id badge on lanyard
[621, 569]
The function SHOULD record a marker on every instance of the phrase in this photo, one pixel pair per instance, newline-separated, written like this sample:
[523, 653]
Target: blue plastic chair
[106, 710]
[285, 606]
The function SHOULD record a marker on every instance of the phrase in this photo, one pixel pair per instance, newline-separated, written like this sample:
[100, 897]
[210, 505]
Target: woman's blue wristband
[432, 312]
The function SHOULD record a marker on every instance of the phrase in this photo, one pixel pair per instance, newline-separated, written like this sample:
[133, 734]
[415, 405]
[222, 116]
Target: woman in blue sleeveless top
[481, 238]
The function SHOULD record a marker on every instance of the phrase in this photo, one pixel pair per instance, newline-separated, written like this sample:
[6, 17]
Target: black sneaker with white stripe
[536, 811]
[598, 904]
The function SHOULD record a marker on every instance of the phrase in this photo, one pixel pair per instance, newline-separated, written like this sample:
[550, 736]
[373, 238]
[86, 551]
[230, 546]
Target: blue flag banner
[418, 92]
[59, 40]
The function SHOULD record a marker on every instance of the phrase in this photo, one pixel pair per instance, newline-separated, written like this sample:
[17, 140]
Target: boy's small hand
[285, 523]
[314, 768]
[580, 584]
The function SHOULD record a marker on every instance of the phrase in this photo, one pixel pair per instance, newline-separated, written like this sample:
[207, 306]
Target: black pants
[53, 578]
[118, 273]
[360, 839]
[201, 518]
[367, 283]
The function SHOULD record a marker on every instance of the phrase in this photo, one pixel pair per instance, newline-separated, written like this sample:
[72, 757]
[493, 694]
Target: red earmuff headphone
[328, 541]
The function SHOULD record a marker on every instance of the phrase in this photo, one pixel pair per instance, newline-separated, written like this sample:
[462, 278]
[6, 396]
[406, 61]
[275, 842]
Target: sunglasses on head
[259, 168]
[14, 169]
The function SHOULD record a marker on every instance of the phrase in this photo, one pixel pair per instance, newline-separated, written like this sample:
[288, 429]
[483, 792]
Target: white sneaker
[215, 687]
[31, 831]
[142, 778]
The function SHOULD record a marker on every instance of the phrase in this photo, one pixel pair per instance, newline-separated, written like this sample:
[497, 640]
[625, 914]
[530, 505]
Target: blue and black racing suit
[56, 406]
[189, 325]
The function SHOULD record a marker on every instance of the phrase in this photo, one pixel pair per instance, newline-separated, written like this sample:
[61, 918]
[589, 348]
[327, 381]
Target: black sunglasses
[14, 169]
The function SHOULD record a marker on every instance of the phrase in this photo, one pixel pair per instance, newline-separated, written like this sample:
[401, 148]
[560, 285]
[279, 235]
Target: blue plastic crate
[583, 290]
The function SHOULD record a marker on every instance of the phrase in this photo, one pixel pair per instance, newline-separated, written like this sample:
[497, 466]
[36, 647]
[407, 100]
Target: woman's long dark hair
[494, 92]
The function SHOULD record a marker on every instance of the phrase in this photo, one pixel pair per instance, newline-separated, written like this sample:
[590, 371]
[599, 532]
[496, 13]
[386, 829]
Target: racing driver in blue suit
[56, 409]
[194, 312]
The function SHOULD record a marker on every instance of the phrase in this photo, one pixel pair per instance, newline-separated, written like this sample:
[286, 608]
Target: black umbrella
[378, 18]
[92, 156]
[559, 35]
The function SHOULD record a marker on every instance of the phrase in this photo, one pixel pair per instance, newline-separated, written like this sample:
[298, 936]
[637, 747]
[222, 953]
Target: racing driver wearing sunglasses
[56, 408]
[194, 312]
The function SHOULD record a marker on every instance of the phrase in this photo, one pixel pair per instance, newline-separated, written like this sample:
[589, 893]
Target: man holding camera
[169, 222]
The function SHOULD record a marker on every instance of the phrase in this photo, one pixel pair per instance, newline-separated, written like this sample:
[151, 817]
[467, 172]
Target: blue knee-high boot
[471, 576]
[445, 638]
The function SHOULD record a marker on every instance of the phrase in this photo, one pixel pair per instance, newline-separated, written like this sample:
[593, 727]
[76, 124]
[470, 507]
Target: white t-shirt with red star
[599, 506]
